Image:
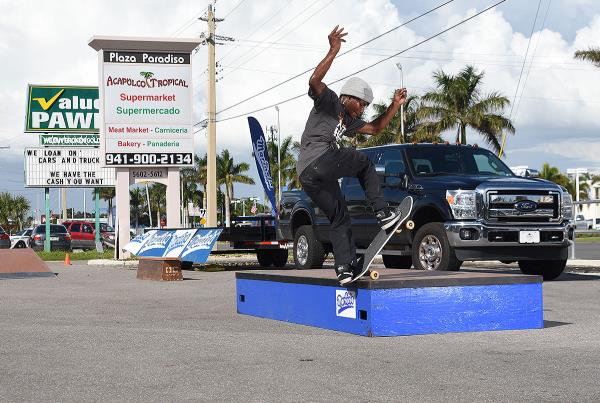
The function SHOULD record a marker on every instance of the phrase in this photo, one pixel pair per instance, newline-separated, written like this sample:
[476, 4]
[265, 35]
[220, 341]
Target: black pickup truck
[468, 206]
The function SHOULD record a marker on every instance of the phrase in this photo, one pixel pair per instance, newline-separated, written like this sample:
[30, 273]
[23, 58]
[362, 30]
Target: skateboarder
[322, 161]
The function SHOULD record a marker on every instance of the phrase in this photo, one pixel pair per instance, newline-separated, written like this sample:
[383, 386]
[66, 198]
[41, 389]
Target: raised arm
[384, 119]
[336, 37]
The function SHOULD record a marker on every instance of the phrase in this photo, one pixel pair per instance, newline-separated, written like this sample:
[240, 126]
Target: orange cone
[67, 260]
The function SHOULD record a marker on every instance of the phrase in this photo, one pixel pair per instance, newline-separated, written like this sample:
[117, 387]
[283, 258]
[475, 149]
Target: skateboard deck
[381, 239]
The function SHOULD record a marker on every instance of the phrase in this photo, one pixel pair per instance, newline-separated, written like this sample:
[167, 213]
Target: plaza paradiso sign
[66, 167]
[62, 109]
[147, 109]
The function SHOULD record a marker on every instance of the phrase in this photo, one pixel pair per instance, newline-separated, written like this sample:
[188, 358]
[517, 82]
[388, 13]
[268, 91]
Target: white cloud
[46, 42]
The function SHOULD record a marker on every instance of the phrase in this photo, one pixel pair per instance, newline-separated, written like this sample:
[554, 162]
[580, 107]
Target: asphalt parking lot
[97, 333]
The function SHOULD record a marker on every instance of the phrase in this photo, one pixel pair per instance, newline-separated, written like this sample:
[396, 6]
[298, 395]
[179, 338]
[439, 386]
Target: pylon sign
[147, 108]
[54, 108]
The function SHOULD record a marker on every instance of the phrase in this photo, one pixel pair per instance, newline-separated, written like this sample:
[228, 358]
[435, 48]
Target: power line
[281, 27]
[372, 65]
[346, 52]
[520, 75]
[234, 8]
[537, 42]
[269, 19]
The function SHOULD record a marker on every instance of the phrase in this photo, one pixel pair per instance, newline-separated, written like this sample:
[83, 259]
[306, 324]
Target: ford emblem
[526, 206]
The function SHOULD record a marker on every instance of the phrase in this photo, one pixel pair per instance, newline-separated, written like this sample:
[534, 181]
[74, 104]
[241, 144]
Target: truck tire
[308, 250]
[548, 269]
[432, 251]
[397, 262]
[264, 257]
[280, 257]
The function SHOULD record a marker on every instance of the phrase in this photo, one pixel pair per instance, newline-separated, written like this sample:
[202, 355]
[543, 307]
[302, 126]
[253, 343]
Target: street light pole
[278, 154]
[401, 106]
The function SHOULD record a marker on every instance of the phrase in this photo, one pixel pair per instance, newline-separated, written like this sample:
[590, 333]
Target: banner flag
[261, 155]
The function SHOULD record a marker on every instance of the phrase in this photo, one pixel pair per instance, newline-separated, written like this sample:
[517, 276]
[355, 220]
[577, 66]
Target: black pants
[320, 182]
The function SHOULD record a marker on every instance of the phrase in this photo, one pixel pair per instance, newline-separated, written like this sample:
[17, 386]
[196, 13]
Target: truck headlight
[463, 204]
[566, 209]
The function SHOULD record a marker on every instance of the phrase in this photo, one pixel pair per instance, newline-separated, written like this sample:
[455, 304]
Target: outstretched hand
[336, 37]
[400, 96]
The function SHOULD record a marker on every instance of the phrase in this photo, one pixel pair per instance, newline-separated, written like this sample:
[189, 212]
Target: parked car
[581, 223]
[60, 239]
[83, 234]
[20, 239]
[4, 239]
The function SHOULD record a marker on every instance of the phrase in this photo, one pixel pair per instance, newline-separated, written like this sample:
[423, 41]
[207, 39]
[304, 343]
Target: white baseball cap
[357, 87]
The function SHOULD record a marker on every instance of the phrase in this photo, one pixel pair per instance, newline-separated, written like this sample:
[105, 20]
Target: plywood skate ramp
[22, 263]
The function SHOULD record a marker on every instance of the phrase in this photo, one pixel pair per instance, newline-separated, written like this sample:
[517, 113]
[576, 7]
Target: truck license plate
[54, 238]
[529, 236]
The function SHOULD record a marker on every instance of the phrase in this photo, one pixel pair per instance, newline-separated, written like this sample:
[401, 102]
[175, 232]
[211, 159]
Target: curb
[109, 262]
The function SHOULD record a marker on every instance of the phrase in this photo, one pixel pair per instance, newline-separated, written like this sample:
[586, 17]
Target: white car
[597, 224]
[20, 239]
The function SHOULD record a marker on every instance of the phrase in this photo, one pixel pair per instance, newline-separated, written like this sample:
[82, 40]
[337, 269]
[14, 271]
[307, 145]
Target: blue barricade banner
[191, 245]
[136, 243]
[178, 242]
[157, 244]
[200, 246]
[261, 155]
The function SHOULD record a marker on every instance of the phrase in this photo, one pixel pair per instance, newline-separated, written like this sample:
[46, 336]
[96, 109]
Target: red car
[83, 235]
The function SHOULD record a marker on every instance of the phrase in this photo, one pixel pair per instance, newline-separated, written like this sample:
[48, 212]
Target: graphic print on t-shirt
[339, 131]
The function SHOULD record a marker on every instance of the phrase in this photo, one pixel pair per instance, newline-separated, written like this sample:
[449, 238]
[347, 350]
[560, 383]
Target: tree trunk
[227, 208]
[463, 134]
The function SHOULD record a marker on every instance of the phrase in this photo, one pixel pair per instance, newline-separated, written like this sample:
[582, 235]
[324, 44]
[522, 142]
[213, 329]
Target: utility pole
[211, 152]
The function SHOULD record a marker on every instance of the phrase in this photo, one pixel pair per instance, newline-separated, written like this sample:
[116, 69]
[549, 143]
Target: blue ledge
[401, 302]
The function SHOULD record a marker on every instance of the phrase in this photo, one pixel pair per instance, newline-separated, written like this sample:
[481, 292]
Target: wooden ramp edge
[22, 263]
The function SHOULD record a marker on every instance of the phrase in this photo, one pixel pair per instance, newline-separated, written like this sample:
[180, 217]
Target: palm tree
[553, 174]
[20, 207]
[108, 194]
[158, 199]
[147, 75]
[591, 55]
[198, 175]
[137, 205]
[392, 134]
[288, 163]
[229, 173]
[457, 103]
[5, 204]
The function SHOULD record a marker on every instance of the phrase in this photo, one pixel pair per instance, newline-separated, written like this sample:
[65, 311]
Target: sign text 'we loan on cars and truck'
[66, 167]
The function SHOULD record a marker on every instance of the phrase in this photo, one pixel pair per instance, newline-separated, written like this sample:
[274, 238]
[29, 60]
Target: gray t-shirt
[327, 122]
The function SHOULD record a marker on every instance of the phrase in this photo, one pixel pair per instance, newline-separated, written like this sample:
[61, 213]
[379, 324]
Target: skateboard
[382, 237]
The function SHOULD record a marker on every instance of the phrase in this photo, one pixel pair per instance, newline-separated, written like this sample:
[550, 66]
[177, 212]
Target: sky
[554, 109]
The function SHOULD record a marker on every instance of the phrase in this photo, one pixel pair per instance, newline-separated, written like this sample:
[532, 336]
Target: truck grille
[523, 207]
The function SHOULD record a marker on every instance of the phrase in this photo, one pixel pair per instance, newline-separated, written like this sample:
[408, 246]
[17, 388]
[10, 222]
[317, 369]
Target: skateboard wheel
[374, 275]
[410, 224]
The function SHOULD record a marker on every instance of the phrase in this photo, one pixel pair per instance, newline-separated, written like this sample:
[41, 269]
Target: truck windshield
[439, 160]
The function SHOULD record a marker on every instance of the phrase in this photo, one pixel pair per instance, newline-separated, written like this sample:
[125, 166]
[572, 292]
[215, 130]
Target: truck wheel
[265, 257]
[308, 250]
[20, 245]
[397, 262]
[432, 251]
[548, 269]
[280, 257]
